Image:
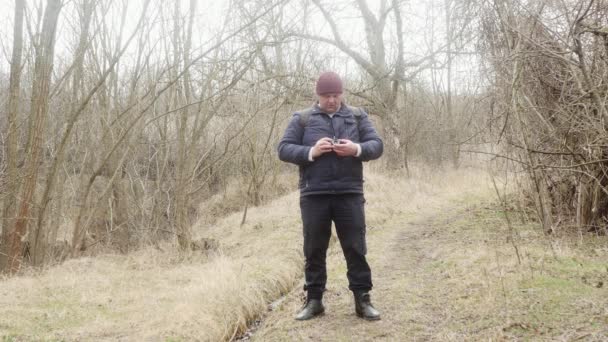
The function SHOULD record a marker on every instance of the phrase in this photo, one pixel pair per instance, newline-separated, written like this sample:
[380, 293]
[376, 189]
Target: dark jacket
[329, 174]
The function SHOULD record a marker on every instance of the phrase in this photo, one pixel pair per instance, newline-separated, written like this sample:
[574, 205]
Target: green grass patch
[549, 293]
[555, 290]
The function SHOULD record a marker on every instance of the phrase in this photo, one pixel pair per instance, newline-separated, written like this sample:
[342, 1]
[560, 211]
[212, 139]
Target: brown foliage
[550, 64]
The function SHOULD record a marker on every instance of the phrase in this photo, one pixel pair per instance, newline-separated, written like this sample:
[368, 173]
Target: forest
[138, 145]
[120, 118]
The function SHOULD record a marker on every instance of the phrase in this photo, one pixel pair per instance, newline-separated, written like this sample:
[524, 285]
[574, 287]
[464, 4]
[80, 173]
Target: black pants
[347, 212]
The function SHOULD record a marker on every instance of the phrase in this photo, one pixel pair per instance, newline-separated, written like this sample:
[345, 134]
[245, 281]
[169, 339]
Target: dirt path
[408, 290]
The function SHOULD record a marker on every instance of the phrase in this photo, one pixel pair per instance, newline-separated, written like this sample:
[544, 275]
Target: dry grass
[446, 270]
[151, 295]
[159, 294]
[393, 203]
[232, 198]
[556, 292]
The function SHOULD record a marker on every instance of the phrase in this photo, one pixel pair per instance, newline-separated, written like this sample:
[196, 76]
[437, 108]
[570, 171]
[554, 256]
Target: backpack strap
[305, 116]
[357, 112]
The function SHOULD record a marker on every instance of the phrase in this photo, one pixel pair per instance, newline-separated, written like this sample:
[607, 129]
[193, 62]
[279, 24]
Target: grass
[447, 269]
[393, 204]
[160, 294]
[550, 295]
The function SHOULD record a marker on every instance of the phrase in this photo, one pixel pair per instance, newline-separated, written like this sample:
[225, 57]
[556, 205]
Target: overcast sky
[210, 16]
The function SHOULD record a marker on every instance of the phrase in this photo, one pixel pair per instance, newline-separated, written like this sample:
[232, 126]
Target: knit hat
[329, 82]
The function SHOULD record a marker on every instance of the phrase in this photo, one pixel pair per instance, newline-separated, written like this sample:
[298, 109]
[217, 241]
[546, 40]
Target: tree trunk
[39, 240]
[182, 203]
[12, 135]
[452, 148]
[39, 108]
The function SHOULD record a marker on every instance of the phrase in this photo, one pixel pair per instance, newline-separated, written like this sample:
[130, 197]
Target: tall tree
[12, 134]
[39, 108]
[78, 88]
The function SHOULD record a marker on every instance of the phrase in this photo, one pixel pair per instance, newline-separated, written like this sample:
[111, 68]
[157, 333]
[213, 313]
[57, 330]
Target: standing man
[329, 142]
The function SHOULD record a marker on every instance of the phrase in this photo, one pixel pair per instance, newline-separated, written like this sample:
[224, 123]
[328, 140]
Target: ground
[450, 263]
[449, 271]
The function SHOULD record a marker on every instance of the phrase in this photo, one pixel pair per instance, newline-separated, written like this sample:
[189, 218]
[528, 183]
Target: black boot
[364, 308]
[312, 308]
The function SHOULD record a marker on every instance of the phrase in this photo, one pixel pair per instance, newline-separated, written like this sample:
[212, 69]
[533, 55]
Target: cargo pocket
[362, 245]
[362, 241]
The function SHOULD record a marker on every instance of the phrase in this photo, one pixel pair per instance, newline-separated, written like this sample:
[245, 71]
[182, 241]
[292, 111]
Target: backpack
[305, 115]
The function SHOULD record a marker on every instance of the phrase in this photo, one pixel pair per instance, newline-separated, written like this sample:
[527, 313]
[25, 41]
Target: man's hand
[322, 145]
[345, 148]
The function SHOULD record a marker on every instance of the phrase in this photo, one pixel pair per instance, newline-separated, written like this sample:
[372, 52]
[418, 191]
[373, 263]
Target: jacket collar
[343, 111]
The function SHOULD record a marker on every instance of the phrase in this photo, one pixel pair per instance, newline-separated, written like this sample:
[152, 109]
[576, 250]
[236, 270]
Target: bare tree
[39, 241]
[389, 74]
[151, 119]
[549, 63]
[12, 135]
[39, 109]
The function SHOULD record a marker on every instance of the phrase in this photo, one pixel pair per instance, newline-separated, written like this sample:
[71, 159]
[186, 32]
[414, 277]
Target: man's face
[330, 103]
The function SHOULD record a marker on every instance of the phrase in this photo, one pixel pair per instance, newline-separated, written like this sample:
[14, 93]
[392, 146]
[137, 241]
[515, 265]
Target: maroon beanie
[329, 82]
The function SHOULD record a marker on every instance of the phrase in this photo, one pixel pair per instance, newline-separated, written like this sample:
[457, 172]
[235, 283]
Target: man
[329, 142]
